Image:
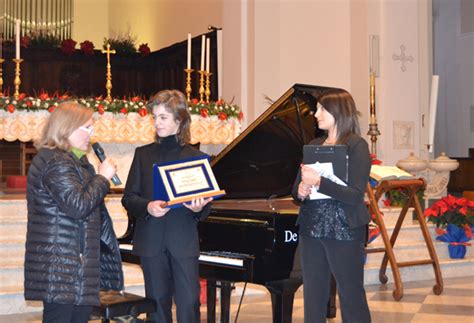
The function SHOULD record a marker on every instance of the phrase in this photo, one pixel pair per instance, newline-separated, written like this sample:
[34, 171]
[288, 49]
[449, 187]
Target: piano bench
[114, 304]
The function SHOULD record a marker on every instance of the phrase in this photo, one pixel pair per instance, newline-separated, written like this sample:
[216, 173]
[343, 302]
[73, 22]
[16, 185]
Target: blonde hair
[64, 120]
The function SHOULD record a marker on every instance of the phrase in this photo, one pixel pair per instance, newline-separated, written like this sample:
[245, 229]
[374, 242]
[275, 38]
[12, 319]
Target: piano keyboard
[216, 257]
[224, 258]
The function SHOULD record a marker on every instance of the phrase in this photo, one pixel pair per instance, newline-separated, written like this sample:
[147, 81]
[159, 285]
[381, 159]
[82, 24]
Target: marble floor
[419, 304]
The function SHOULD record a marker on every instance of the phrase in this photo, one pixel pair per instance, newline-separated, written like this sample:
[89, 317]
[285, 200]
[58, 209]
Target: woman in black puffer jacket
[71, 247]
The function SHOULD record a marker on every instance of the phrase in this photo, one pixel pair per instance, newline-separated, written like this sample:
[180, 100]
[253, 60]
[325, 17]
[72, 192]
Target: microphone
[101, 155]
[213, 28]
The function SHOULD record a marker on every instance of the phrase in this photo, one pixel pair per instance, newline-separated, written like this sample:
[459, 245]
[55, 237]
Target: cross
[108, 51]
[108, 84]
[402, 58]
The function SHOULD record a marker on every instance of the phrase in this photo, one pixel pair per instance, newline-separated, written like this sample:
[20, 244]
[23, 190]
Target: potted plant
[454, 218]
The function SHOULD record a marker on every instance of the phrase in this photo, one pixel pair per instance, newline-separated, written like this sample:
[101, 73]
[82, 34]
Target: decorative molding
[403, 134]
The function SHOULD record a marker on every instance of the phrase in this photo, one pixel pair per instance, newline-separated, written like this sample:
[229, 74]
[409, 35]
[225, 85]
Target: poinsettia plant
[451, 210]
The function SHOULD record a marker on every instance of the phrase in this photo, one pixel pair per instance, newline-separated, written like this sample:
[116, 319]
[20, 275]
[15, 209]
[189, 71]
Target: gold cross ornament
[108, 83]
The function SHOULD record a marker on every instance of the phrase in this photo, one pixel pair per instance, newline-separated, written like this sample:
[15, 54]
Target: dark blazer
[71, 248]
[176, 231]
[352, 195]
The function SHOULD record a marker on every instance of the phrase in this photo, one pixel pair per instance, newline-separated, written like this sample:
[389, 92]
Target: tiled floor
[419, 304]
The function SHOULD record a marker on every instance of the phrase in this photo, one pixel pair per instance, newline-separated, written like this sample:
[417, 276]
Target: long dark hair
[175, 103]
[340, 104]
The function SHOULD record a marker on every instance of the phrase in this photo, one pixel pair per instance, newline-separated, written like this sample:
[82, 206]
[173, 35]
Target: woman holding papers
[166, 239]
[332, 230]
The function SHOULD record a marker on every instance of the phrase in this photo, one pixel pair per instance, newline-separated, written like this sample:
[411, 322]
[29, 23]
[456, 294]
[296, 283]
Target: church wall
[91, 21]
[165, 22]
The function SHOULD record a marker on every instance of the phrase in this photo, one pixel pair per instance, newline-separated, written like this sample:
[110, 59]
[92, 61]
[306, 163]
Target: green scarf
[77, 152]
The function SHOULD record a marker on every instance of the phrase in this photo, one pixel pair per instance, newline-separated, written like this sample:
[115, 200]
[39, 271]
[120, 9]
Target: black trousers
[65, 313]
[345, 260]
[167, 276]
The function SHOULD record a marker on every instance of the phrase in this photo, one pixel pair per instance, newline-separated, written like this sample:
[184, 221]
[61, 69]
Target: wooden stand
[412, 186]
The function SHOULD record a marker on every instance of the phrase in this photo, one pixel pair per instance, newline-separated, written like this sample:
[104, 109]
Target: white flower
[140, 103]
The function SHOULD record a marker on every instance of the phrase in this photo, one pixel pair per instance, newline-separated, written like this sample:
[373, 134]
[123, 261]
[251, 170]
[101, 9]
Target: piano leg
[226, 289]
[283, 294]
[211, 301]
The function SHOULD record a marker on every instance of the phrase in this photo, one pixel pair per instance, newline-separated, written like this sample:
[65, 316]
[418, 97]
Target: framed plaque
[180, 181]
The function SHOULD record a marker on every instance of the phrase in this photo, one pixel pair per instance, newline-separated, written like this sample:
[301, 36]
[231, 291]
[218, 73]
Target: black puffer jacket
[71, 247]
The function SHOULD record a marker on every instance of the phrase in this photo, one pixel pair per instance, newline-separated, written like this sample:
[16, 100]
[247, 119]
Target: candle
[432, 111]
[203, 49]
[208, 51]
[188, 65]
[17, 33]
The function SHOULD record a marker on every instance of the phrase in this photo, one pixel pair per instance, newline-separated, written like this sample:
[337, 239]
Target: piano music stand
[412, 185]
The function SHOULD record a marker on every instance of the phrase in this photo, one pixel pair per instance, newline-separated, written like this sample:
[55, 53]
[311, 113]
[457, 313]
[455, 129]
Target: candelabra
[373, 129]
[188, 83]
[17, 80]
[208, 85]
[201, 86]
[1, 76]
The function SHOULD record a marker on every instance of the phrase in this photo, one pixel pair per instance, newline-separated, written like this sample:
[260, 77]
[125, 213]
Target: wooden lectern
[412, 185]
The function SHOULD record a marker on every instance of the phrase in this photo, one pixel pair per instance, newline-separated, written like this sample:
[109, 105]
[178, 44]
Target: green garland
[117, 106]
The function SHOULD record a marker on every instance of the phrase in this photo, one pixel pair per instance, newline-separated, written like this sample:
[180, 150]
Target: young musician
[332, 232]
[166, 239]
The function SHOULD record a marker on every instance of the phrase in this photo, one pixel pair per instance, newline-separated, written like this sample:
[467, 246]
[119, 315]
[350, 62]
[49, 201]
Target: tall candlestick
[188, 65]
[17, 33]
[372, 98]
[203, 49]
[208, 51]
[433, 104]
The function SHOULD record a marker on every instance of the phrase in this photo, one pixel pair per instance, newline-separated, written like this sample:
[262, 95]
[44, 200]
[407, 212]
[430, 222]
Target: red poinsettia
[144, 49]
[11, 108]
[241, 116]
[51, 108]
[43, 95]
[194, 101]
[100, 109]
[375, 161]
[204, 113]
[451, 210]
[123, 110]
[222, 116]
[68, 46]
[142, 112]
[25, 41]
[87, 47]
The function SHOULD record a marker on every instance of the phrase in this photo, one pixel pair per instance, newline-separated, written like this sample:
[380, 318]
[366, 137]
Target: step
[12, 277]
[449, 269]
[417, 251]
[13, 302]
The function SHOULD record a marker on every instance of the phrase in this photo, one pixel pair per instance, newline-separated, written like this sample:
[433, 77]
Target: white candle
[188, 65]
[208, 51]
[432, 111]
[203, 49]
[17, 33]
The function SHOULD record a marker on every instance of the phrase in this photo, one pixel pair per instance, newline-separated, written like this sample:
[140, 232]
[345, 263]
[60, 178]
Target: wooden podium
[412, 185]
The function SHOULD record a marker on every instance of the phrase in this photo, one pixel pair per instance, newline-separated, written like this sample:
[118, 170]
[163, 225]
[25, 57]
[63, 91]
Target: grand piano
[250, 234]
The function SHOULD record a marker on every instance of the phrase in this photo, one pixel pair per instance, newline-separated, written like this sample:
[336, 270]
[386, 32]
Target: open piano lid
[263, 160]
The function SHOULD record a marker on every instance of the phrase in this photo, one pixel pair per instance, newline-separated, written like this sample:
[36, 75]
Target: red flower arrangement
[25, 41]
[87, 47]
[451, 210]
[68, 46]
[144, 49]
